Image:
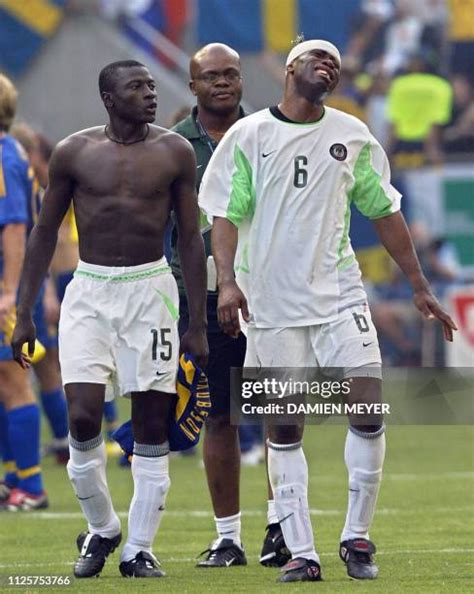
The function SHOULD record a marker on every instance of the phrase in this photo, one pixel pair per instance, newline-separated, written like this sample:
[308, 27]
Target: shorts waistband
[121, 274]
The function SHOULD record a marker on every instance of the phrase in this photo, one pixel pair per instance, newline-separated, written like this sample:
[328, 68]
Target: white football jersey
[288, 188]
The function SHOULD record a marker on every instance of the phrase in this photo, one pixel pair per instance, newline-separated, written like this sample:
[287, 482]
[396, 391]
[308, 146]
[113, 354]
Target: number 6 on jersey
[300, 178]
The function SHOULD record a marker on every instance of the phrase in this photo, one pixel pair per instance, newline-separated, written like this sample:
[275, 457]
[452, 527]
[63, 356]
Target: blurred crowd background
[407, 71]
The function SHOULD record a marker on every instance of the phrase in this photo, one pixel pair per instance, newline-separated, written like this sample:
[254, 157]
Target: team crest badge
[338, 151]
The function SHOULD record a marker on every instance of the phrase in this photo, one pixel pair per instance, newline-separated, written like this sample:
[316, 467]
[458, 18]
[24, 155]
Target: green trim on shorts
[173, 310]
[123, 278]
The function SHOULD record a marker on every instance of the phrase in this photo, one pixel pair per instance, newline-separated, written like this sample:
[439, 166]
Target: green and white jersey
[288, 188]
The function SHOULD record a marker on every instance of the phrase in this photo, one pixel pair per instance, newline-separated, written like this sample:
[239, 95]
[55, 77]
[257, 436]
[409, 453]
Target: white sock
[151, 484]
[86, 470]
[272, 517]
[364, 455]
[288, 474]
[228, 527]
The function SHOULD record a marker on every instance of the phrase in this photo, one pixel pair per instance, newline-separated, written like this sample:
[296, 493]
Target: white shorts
[119, 325]
[349, 343]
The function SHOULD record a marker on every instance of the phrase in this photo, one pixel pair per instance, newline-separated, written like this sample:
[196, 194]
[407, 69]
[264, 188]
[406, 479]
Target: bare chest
[124, 172]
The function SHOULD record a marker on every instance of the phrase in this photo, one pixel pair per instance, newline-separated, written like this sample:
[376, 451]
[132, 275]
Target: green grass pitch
[423, 528]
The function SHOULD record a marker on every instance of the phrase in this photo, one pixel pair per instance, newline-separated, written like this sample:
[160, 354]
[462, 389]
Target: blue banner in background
[24, 26]
[235, 22]
[328, 19]
[256, 25]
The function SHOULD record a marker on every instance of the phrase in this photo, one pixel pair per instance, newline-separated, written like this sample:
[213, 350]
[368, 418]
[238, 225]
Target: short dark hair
[108, 73]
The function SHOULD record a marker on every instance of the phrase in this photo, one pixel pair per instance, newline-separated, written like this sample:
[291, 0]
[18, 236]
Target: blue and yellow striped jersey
[19, 193]
[19, 203]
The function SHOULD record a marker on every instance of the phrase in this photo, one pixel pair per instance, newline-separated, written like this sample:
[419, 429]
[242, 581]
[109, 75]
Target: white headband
[313, 44]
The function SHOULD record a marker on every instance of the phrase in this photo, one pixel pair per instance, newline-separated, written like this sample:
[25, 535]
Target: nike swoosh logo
[84, 498]
[366, 344]
[264, 155]
[354, 490]
[161, 373]
[229, 562]
[199, 166]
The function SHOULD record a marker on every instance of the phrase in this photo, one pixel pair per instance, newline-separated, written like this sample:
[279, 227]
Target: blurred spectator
[458, 136]
[461, 36]
[27, 138]
[369, 26]
[387, 32]
[433, 14]
[418, 103]
[437, 257]
[376, 108]
[402, 37]
[442, 265]
[433, 254]
[39, 150]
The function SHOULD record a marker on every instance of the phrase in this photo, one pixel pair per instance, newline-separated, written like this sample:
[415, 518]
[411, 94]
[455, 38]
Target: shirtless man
[119, 314]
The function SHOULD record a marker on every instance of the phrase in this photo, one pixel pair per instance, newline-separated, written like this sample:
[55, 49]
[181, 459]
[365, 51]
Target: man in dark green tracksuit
[217, 84]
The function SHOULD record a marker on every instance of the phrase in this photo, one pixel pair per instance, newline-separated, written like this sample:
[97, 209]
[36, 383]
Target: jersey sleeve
[227, 189]
[372, 192]
[13, 194]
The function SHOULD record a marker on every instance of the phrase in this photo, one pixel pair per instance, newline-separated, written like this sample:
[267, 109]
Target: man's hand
[7, 303]
[428, 305]
[230, 300]
[25, 331]
[194, 341]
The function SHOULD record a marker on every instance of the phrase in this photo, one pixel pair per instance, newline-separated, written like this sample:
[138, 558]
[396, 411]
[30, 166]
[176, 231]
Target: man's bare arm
[224, 237]
[43, 238]
[191, 251]
[40, 248]
[394, 235]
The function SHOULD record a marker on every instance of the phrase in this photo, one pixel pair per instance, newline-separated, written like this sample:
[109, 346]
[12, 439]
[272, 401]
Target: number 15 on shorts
[162, 344]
